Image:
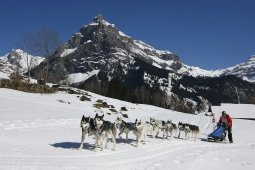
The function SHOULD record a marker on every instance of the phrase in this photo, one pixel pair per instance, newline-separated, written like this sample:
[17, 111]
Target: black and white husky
[103, 129]
[87, 127]
[170, 129]
[124, 127]
[188, 128]
[194, 130]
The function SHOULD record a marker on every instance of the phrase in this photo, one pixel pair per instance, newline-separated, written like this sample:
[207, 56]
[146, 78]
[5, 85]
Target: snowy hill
[42, 131]
[9, 61]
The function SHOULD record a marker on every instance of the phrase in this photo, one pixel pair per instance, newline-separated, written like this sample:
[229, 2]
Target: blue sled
[218, 135]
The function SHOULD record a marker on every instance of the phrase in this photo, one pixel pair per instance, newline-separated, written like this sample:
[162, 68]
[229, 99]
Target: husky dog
[157, 126]
[103, 129]
[124, 127]
[87, 127]
[194, 130]
[187, 128]
[175, 129]
[170, 129]
[141, 129]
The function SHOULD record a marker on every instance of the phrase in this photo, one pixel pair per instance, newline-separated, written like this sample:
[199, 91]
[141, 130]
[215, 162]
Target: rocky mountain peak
[99, 18]
[95, 32]
[251, 58]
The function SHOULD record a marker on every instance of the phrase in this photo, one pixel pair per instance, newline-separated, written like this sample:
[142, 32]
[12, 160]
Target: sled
[218, 135]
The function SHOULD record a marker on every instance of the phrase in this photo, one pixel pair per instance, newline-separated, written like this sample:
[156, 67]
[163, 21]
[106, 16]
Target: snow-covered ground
[39, 131]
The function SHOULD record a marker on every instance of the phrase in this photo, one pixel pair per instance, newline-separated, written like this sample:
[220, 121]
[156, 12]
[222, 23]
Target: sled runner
[218, 135]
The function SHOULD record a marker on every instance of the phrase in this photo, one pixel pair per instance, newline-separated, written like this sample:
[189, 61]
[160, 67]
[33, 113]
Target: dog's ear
[103, 116]
[135, 120]
[96, 115]
[89, 117]
[83, 117]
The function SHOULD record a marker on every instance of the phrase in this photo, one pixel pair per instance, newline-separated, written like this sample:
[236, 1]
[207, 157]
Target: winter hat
[224, 113]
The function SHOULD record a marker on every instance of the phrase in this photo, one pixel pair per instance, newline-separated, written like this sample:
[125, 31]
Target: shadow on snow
[71, 145]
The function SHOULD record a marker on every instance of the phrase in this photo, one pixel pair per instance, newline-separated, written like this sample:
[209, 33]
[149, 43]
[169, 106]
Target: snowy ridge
[144, 46]
[244, 70]
[67, 52]
[198, 72]
[52, 132]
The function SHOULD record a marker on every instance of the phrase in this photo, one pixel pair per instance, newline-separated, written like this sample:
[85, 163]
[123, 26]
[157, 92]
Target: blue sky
[210, 34]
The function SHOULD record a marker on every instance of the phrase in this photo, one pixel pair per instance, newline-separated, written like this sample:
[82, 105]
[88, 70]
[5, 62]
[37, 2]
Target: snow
[251, 58]
[41, 132]
[196, 71]
[79, 77]
[96, 23]
[120, 52]
[104, 22]
[4, 75]
[241, 70]
[36, 60]
[145, 46]
[123, 34]
[67, 52]
[7, 62]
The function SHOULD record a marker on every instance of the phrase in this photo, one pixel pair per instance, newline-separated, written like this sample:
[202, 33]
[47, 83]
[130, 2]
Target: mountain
[100, 45]
[9, 62]
[102, 59]
[245, 71]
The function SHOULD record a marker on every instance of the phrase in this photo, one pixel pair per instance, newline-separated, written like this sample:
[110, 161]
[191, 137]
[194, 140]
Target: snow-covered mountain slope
[245, 70]
[39, 132]
[9, 61]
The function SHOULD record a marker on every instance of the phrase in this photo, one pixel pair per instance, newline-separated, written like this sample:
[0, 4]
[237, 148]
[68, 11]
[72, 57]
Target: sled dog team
[102, 129]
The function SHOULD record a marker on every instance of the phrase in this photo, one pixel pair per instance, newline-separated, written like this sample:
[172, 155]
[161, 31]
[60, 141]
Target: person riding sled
[226, 120]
